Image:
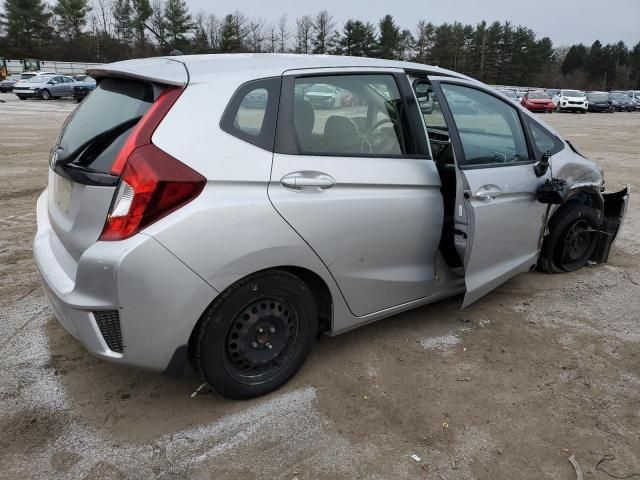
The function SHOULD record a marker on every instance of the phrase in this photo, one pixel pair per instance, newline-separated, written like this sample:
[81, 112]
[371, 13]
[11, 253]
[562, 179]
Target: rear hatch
[87, 161]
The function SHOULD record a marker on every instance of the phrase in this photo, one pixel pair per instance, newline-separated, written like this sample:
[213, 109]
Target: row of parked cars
[46, 85]
[551, 100]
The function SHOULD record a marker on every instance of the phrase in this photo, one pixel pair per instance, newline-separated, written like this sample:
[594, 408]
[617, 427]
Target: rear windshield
[114, 106]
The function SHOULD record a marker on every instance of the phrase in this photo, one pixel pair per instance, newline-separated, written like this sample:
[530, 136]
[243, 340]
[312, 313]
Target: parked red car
[537, 102]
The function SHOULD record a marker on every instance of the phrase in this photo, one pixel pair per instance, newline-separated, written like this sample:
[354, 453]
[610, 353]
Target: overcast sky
[564, 21]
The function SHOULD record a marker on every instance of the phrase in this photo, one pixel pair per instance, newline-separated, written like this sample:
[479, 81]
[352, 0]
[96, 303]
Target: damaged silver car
[187, 224]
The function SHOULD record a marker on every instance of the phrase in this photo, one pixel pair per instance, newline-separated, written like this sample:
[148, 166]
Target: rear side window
[252, 111]
[98, 128]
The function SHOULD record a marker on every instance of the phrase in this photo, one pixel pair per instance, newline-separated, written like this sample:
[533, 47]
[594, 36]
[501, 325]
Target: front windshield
[538, 95]
[597, 97]
[572, 93]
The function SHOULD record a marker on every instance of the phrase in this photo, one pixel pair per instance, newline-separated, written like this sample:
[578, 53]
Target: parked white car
[572, 100]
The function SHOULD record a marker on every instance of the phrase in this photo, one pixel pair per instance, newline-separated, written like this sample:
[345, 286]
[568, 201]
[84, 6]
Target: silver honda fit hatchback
[219, 211]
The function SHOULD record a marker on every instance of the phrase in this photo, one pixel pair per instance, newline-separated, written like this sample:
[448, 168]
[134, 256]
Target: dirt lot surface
[543, 368]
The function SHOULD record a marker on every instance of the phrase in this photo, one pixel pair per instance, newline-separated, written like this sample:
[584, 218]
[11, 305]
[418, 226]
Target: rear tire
[22, 98]
[256, 335]
[571, 241]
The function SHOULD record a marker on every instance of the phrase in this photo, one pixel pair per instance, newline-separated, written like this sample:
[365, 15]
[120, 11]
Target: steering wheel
[385, 143]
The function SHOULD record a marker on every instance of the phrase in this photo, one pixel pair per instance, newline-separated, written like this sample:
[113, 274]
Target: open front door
[497, 218]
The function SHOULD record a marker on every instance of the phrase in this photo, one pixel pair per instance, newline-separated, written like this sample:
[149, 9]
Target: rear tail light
[152, 182]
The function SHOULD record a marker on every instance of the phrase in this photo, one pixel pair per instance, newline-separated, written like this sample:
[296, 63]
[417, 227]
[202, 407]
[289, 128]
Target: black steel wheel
[572, 239]
[256, 334]
[577, 246]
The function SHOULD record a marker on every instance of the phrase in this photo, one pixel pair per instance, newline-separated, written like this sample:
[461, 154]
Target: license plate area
[62, 193]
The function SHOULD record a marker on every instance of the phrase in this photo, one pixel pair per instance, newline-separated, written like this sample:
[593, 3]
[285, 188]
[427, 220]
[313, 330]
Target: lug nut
[269, 346]
[254, 344]
[272, 329]
[260, 330]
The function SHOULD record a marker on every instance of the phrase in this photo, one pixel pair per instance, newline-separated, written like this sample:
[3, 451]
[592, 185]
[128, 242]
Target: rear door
[353, 177]
[68, 86]
[497, 212]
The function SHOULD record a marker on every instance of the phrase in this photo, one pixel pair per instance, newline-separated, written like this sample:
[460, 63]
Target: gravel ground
[543, 368]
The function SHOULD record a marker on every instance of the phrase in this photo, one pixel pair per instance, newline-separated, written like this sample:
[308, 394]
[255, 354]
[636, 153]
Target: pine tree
[229, 40]
[26, 22]
[593, 62]
[574, 60]
[121, 11]
[71, 16]
[389, 41]
[424, 41]
[141, 11]
[177, 21]
[357, 39]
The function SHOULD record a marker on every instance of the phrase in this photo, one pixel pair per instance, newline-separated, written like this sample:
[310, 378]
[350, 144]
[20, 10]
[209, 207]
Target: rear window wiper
[95, 145]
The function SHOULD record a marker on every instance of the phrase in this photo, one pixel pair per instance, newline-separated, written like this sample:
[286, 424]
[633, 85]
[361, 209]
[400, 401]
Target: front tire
[256, 335]
[45, 94]
[572, 239]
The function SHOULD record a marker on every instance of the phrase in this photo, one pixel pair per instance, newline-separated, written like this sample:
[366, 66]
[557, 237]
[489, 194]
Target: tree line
[496, 53]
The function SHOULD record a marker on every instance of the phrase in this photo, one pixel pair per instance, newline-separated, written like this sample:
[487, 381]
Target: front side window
[349, 115]
[490, 129]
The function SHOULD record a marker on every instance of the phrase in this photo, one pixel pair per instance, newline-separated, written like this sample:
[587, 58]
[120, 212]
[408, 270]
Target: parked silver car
[181, 227]
[44, 86]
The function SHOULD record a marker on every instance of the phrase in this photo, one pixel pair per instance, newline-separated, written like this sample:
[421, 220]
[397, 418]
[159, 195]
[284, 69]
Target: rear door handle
[300, 180]
[488, 192]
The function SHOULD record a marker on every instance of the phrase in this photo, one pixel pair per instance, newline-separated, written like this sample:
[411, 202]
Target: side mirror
[542, 166]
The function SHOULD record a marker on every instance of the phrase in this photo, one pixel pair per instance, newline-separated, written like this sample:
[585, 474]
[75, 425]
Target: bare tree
[101, 13]
[283, 34]
[212, 27]
[304, 33]
[241, 28]
[272, 40]
[157, 20]
[256, 35]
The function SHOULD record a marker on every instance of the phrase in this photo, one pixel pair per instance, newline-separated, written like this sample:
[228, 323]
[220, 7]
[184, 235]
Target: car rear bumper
[131, 302]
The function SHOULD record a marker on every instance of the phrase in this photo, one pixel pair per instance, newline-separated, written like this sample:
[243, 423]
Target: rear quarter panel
[231, 230]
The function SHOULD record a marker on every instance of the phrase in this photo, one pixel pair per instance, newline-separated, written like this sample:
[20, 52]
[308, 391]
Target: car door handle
[299, 180]
[488, 192]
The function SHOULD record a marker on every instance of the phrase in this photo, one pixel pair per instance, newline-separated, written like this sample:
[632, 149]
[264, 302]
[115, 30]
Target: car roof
[246, 66]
